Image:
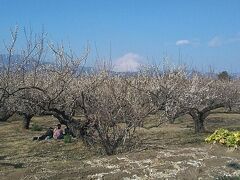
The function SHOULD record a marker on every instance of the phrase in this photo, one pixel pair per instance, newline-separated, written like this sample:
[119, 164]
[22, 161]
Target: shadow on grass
[234, 165]
[18, 165]
[2, 157]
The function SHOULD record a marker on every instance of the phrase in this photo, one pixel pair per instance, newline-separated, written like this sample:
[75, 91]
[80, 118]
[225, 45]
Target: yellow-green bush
[225, 137]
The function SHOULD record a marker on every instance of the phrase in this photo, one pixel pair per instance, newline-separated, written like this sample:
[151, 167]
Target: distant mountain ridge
[89, 70]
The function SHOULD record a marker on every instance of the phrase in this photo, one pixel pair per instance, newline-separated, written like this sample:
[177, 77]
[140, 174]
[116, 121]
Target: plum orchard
[112, 105]
[178, 92]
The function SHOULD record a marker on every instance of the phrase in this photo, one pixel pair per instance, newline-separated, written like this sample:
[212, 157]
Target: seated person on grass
[47, 135]
[58, 132]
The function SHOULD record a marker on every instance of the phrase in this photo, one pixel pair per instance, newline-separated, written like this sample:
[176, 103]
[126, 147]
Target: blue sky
[205, 32]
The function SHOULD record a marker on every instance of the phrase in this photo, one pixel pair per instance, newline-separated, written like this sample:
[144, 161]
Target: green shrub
[67, 138]
[225, 137]
[36, 127]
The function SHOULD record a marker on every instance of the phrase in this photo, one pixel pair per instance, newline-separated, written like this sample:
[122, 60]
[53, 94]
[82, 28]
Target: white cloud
[219, 41]
[235, 38]
[215, 42]
[128, 62]
[183, 42]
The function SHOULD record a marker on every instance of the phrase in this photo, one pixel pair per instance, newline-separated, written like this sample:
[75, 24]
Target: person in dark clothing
[47, 135]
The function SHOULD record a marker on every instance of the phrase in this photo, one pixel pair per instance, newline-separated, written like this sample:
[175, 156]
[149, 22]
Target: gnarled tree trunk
[199, 124]
[4, 117]
[76, 128]
[198, 118]
[26, 120]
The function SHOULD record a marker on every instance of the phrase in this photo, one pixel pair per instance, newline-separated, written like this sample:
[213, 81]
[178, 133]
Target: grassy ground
[172, 151]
